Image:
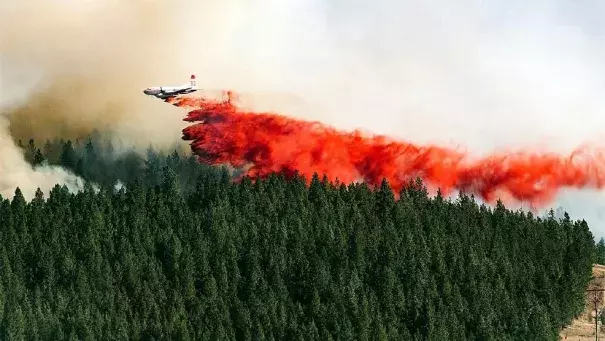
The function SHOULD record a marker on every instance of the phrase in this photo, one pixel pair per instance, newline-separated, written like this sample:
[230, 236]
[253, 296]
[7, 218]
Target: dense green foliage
[600, 252]
[182, 252]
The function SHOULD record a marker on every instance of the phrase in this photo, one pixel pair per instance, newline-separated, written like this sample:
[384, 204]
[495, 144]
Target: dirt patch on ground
[583, 328]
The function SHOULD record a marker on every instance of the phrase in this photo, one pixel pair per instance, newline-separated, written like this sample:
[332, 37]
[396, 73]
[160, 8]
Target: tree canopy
[181, 252]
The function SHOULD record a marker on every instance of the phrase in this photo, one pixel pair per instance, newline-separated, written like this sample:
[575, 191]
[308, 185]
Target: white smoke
[16, 172]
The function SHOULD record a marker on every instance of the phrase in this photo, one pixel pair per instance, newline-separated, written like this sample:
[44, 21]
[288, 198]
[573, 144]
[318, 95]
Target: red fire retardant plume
[275, 143]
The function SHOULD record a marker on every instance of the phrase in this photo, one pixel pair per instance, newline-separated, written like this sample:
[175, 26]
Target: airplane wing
[174, 92]
[166, 96]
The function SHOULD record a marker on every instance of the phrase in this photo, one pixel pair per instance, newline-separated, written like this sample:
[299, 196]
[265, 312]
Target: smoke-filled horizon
[480, 76]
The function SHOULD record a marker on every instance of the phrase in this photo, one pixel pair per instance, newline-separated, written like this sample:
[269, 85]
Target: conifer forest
[161, 247]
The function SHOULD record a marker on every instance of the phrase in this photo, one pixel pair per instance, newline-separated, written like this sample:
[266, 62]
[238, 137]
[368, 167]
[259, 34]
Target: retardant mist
[489, 77]
[270, 142]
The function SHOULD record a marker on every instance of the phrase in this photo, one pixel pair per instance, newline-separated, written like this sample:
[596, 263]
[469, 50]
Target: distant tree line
[184, 253]
[600, 252]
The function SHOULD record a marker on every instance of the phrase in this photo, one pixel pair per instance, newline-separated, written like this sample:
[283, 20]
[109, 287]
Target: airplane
[166, 92]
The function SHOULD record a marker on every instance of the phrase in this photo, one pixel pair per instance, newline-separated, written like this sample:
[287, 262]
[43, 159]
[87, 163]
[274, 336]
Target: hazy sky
[482, 75]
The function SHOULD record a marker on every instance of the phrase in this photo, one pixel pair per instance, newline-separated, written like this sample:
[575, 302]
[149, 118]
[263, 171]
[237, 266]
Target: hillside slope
[583, 328]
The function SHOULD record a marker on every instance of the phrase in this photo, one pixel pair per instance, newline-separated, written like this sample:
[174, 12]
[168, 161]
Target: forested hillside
[183, 253]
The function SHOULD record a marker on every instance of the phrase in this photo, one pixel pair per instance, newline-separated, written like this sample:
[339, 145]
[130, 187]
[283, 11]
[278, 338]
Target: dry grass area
[583, 328]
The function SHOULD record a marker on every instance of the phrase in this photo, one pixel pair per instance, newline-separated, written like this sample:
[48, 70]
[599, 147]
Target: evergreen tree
[183, 252]
[600, 252]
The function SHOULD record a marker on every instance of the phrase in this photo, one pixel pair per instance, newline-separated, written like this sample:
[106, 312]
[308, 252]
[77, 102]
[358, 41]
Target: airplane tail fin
[192, 82]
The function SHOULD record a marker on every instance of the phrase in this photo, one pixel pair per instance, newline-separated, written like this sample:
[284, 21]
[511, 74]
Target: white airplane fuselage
[165, 92]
